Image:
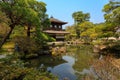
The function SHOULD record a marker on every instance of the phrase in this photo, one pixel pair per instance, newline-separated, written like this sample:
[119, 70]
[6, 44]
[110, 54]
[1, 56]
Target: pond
[72, 65]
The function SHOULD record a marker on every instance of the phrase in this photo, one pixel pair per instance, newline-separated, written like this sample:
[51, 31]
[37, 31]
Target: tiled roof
[57, 21]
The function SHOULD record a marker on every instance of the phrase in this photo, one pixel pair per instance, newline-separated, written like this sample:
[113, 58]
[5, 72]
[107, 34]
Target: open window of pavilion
[55, 29]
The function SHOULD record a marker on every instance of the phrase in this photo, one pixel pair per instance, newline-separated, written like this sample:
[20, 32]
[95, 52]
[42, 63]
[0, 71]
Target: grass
[8, 45]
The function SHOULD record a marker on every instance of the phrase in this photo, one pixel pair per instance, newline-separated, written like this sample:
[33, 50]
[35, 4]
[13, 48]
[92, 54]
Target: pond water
[72, 65]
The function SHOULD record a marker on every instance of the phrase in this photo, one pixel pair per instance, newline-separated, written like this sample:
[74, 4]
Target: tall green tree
[86, 29]
[85, 26]
[112, 16]
[22, 12]
[80, 17]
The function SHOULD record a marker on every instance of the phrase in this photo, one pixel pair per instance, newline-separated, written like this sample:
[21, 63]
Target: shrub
[12, 68]
[26, 46]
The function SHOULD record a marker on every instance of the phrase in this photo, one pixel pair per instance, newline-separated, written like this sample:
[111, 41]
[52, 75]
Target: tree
[72, 31]
[3, 25]
[80, 17]
[100, 30]
[35, 16]
[114, 0]
[3, 18]
[112, 16]
[85, 26]
[87, 30]
[22, 12]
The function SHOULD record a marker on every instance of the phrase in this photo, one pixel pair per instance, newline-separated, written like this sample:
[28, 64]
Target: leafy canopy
[79, 16]
[112, 17]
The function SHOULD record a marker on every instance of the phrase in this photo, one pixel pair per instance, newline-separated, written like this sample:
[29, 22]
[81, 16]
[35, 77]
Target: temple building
[55, 30]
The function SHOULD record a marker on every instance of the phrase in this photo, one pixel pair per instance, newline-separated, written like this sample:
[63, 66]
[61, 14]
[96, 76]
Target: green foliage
[3, 25]
[112, 16]
[85, 25]
[3, 18]
[42, 38]
[79, 16]
[89, 34]
[26, 47]
[13, 72]
[29, 13]
[72, 31]
[104, 30]
[18, 31]
[108, 34]
[3, 29]
[12, 68]
[86, 29]
[23, 12]
[46, 37]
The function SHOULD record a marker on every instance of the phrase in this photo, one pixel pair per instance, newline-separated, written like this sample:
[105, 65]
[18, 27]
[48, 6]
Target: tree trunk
[6, 36]
[28, 31]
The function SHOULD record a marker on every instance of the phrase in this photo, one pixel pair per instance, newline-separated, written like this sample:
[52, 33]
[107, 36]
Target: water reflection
[65, 70]
[70, 60]
[70, 66]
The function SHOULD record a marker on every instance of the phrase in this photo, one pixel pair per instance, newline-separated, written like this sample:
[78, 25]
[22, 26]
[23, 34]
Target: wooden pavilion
[55, 30]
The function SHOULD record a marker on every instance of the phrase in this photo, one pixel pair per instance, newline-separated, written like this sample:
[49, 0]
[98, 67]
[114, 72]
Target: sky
[63, 9]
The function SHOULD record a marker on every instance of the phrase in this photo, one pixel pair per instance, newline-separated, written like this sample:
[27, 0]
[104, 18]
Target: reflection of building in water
[55, 30]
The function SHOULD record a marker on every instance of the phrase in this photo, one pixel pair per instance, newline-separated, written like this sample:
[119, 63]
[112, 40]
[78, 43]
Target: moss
[8, 45]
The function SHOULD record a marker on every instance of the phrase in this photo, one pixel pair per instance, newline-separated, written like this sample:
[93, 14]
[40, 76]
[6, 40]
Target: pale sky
[63, 9]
